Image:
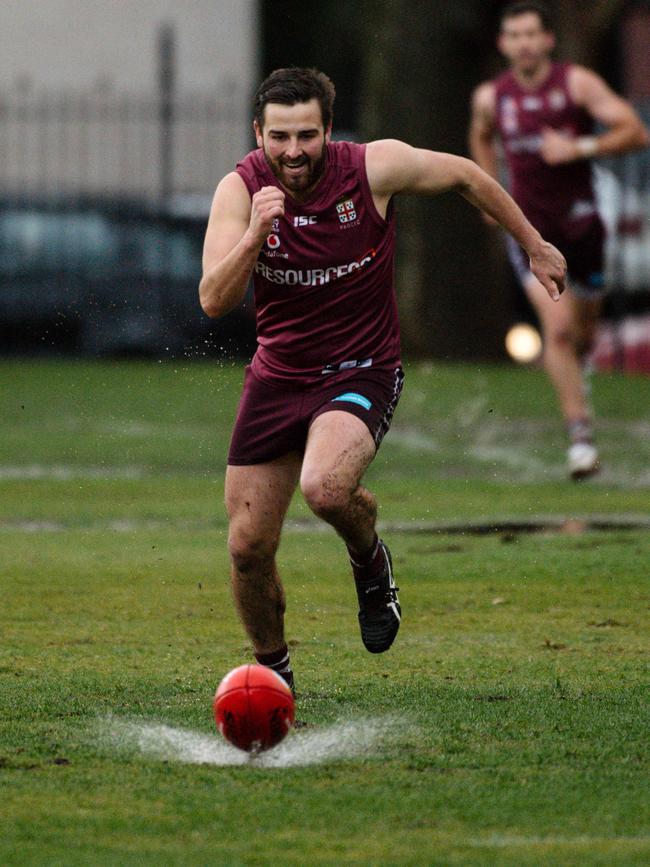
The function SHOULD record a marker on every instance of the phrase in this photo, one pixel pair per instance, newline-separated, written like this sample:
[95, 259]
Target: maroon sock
[370, 565]
[278, 660]
[580, 431]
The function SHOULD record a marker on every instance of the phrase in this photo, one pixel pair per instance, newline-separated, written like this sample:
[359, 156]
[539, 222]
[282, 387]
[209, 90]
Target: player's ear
[550, 41]
[328, 134]
[258, 134]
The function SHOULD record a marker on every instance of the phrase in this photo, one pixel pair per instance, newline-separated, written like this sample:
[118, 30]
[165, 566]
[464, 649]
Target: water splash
[343, 739]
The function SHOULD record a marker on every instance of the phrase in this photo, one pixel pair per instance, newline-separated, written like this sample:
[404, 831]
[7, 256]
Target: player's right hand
[267, 205]
[549, 266]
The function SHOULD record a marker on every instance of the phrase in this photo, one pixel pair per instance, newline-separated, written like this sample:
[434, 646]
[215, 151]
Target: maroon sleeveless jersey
[558, 200]
[324, 278]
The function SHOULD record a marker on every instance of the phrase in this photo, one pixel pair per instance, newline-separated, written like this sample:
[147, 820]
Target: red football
[253, 708]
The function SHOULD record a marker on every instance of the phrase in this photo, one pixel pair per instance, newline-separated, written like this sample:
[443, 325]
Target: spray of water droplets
[343, 739]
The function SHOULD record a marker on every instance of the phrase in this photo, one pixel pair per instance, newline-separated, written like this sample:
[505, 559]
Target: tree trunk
[581, 25]
[420, 69]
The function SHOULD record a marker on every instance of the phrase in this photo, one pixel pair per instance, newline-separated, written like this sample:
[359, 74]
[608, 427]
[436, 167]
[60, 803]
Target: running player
[312, 221]
[543, 113]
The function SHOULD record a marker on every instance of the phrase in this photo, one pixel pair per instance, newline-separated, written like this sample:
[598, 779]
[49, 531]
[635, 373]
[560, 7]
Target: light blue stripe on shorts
[353, 397]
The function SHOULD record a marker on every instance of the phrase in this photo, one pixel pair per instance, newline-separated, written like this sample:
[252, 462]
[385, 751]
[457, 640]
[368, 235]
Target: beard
[530, 61]
[307, 179]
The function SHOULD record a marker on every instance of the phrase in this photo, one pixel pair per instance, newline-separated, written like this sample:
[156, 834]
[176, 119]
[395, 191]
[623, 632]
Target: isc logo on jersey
[557, 100]
[305, 221]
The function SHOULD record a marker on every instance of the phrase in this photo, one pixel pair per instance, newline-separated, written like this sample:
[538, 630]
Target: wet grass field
[508, 725]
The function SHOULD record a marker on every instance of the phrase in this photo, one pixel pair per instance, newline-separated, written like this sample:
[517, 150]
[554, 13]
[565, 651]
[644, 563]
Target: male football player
[543, 112]
[312, 221]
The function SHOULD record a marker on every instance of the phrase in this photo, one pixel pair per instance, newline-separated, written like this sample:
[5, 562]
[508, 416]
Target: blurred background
[117, 119]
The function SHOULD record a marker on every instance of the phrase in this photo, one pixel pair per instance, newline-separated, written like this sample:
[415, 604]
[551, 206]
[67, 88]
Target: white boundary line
[497, 841]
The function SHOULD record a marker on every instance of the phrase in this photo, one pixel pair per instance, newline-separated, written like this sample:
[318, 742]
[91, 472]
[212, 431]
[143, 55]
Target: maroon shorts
[584, 256]
[272, 421]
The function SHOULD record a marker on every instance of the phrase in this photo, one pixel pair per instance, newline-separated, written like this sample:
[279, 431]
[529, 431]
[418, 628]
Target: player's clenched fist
[267, 205]
[557, 148]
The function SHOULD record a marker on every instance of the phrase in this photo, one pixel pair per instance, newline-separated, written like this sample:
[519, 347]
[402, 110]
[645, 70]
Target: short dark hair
[292, 85]
[521, 7]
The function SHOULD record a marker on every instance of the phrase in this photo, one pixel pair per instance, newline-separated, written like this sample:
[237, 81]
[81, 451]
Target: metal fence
[87, 180]
[118, 145]
[103, 204]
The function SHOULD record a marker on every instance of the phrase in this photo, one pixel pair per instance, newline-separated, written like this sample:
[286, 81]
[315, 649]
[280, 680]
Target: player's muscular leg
[257, 498]
[562, 353]
[586, 313]
[339, 449]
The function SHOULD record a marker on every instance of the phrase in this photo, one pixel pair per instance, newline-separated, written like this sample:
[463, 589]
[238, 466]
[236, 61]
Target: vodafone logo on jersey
[273, 240]
[509, 115]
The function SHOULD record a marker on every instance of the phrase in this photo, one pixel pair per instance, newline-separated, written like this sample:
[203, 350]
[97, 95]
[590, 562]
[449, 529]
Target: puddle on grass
[341, 740]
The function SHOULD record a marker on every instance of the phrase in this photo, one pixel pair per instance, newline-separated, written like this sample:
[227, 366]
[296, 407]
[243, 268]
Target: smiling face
[294, 142]
[525, 43]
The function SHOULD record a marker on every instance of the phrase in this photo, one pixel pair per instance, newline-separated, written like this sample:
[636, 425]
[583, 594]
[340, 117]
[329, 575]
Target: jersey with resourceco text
[324, 278]
[558, 200]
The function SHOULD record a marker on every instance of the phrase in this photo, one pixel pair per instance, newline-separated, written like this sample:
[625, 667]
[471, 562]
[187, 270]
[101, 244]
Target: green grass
[517, 686]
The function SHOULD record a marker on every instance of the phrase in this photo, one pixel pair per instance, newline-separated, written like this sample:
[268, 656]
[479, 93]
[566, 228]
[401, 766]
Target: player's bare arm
[395, 167]
[624, 131]
[482, 134]
[482, 130]
[237, 228]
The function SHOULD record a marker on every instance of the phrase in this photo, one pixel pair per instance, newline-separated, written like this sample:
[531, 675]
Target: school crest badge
[346, 211]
